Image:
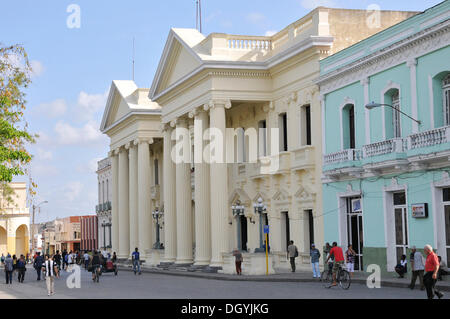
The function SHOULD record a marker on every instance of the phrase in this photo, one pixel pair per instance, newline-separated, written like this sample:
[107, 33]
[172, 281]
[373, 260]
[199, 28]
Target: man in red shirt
[431, 270]
[338, 254]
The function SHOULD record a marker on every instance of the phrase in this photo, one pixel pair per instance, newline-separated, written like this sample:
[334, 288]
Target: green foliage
[15, 76]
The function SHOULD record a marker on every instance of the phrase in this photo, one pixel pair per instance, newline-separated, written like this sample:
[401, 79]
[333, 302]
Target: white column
[170, 235]
[184, 196]
[202, 191]
[145, 210]
[133, 195]
[412, 64]
[124, 223]
[115, 200]
[219, 188]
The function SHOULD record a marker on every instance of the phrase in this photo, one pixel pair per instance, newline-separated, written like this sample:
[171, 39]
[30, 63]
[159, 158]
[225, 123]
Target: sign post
[266, 232]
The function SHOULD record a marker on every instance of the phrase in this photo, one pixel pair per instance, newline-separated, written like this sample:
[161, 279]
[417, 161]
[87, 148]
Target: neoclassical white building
[15, 221]
[259, 84]
[103, 208]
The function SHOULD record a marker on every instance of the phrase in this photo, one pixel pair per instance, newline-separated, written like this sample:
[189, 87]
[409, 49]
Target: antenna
[198, 15]
[133, 59]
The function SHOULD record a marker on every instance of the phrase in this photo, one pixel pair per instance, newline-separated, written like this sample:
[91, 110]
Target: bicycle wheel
[326, 279]
[344, 279]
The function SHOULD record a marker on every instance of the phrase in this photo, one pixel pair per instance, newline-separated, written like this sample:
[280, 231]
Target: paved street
[127, 285]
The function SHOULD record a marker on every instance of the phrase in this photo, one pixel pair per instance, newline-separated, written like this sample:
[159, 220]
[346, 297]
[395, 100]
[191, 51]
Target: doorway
[401, 224]
[446, 199]
[285, 229]
[243, 232]
[355, 230]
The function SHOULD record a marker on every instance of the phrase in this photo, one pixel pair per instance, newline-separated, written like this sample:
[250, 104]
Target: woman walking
[350, 260]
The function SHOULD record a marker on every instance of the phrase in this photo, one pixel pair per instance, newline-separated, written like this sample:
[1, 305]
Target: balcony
[420, 150]
[284, 162]
[303, 158]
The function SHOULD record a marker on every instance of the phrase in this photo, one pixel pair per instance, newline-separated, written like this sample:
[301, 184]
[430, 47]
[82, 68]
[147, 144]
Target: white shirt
[418, 261]
[86, 256]
[69, 259]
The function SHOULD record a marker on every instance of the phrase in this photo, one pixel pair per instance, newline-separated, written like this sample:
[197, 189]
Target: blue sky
[74, 68]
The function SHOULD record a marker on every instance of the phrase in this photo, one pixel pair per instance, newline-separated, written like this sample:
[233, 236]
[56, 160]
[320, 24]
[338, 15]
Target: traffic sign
[266, 229]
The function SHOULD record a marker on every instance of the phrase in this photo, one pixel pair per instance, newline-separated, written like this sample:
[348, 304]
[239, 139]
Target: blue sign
[266, 229]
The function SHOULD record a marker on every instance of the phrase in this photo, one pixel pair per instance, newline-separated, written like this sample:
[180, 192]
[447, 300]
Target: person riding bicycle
[95, 263]
[338, 254]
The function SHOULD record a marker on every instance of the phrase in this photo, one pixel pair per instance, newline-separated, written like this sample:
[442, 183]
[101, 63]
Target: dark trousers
[415, 274]
[8, 275]
[38, 271]
[238, 267]
[429, 283]
[292, 260]
[21, 276]
[86, 264]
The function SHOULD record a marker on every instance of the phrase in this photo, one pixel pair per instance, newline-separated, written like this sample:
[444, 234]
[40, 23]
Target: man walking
[431, 271]
[86, 259]
[315, 257]
[38, 261]
[292, 252]
[51, 271]
[136, 262]
[8, 268]
[417, 268]
[57, 259]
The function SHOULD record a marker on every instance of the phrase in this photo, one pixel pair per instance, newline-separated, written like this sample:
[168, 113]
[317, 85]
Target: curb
[263, 279]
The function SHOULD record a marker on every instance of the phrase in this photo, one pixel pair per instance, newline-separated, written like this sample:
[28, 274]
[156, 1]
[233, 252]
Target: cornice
[416, 45]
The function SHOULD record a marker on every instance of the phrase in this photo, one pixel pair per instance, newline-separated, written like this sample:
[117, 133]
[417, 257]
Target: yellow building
[14, 221]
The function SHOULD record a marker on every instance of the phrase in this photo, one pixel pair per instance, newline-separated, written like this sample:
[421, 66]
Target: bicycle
[342, 277]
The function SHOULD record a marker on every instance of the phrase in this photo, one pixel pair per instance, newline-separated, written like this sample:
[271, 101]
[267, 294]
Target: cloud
[37, 67]
[270, 33]
[90, 167]
[255, 17]
[72, 190]
[66, 134]
[44, 155]
[90, 104]
[312, 4]
[53, 109]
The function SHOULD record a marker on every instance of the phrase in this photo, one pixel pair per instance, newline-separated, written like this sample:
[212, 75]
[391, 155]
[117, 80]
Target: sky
[74, 67]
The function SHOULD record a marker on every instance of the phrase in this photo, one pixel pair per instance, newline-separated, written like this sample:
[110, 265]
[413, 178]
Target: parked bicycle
[342, 278]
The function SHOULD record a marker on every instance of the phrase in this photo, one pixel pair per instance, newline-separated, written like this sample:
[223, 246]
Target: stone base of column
[197, 267]
[201, 263]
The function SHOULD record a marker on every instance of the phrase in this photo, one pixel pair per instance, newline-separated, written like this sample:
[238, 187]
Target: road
[156, 286]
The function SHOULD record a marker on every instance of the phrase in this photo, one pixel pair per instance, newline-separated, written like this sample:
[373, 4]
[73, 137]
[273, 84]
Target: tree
[15, 76]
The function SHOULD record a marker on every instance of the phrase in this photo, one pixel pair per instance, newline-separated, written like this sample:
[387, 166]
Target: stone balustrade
[429, 138]
[341, 156]
[249, 43]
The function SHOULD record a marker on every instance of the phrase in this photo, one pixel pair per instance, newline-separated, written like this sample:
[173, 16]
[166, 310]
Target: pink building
[89, 232]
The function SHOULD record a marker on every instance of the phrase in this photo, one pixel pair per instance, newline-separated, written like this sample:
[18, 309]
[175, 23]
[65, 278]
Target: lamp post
[238, 210]
[261, 209]
[32, 227]
[373, 105]
[156, 214]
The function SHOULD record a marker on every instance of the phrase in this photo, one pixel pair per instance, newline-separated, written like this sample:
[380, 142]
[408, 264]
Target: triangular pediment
[178, 59]
[281, 196]
[241, 195]
[304, 194]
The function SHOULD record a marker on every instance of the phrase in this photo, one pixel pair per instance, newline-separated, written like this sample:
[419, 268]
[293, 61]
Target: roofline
[249, 65]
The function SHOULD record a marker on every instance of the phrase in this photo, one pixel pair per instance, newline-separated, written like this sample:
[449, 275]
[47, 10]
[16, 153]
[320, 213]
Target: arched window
[348, 126]
[396, 114]
[446, 99]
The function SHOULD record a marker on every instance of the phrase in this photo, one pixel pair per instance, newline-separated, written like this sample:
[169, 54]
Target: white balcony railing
[249, 43]
[342, 156]
[395, 145]
[429, 138]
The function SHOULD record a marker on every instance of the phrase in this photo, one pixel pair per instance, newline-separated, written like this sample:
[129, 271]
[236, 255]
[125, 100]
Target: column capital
[364, 81]
[179, 121]
[292, 98]
[411, 62]
[217, 103]
[165, 127]
[269, 107]
[140, 140]
[128, 145]
[196, 111]
[116, 151]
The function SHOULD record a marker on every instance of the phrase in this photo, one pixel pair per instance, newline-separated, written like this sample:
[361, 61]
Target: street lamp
[261, 209]
[237, 209]
[156, 214]
[32, 227]
[373, 105]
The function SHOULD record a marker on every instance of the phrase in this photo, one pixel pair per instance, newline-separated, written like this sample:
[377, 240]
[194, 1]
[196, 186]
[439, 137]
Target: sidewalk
[286, 276]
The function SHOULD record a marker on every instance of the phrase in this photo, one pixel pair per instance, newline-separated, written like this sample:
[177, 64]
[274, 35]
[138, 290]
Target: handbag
[296, 252]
